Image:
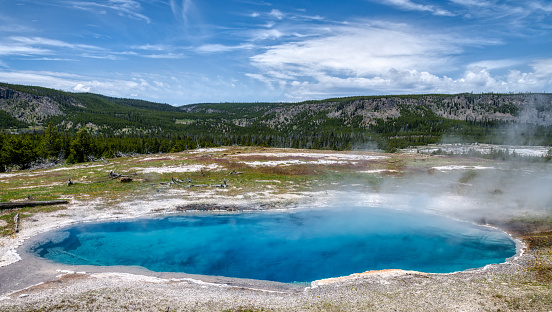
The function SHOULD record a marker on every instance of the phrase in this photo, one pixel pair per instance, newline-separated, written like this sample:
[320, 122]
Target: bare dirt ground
[512, 196]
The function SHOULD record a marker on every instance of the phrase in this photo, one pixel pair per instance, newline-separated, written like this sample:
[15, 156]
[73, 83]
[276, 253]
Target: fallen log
[114, 175]
[223, 184]
[10, 205]
[16, 221]
[177, 182]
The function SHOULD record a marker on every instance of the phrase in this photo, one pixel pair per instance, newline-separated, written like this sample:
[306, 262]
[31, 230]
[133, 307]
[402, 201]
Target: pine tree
[81, 147]
[50, 145]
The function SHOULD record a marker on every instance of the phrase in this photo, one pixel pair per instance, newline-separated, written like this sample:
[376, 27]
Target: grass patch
[467, 176]
[541, 265]
[8, 216]
[9, 229]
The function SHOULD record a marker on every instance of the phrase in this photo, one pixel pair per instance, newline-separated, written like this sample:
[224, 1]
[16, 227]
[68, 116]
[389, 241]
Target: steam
[512, 194]
[508, 195]
[497, 192]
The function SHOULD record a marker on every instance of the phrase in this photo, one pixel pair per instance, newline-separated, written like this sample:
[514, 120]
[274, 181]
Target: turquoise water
[291, 246]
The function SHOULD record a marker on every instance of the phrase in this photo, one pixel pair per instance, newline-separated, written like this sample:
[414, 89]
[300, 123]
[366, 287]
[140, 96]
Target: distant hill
[414, 119]
[363, 112]
[36, 107]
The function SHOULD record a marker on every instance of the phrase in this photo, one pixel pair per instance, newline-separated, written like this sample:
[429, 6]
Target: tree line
[34, 149]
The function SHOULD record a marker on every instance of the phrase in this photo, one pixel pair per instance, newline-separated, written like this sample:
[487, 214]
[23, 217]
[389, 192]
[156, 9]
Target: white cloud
[543, 68]
[187, 5]
[130, 8]
[165, 56]
[277, 14]
[217, 48]
[79, 87]
[175, 88]
[517, 14]
[159, 84]
[69, 82]
[153, 47]
[537, 5]
[33, 46]
[360, 50]
[495, 64]
[185, 10]
[101, 56]
[62, 81]
[311, 18]
[268, 81]
[165, 51]
[411, 82]
[531, 6]
[264, 34]
[51, 42]
[412, 6]
[385, 58]
[16, 49]
[475, 3]
[10, 24]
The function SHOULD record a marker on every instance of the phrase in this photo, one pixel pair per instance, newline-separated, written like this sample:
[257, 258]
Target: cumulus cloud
[390, 58]
[412, 81]
[360, 51]
[79, 87]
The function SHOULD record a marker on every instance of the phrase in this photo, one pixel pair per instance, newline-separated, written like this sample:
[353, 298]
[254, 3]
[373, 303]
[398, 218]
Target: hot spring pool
[291, 246]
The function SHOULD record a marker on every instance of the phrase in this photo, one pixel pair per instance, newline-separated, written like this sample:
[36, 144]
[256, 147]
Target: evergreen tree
[17, 151]
[50, 145]
[81, 147]
[3, 159]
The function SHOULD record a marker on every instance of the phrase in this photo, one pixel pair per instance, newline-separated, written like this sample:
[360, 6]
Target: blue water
[296, 246]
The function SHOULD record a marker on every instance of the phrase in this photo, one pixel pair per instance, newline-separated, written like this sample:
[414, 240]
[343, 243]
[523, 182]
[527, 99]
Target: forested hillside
[41, 124]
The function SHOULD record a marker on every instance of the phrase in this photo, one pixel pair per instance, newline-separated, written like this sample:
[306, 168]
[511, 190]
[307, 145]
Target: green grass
[50, 184]
[8, 216]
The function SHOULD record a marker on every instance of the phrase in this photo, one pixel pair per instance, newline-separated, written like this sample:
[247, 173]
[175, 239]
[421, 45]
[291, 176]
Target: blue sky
[191, 51]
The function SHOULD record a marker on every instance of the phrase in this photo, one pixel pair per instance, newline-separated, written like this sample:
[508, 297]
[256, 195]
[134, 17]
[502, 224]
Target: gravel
[497, 287]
